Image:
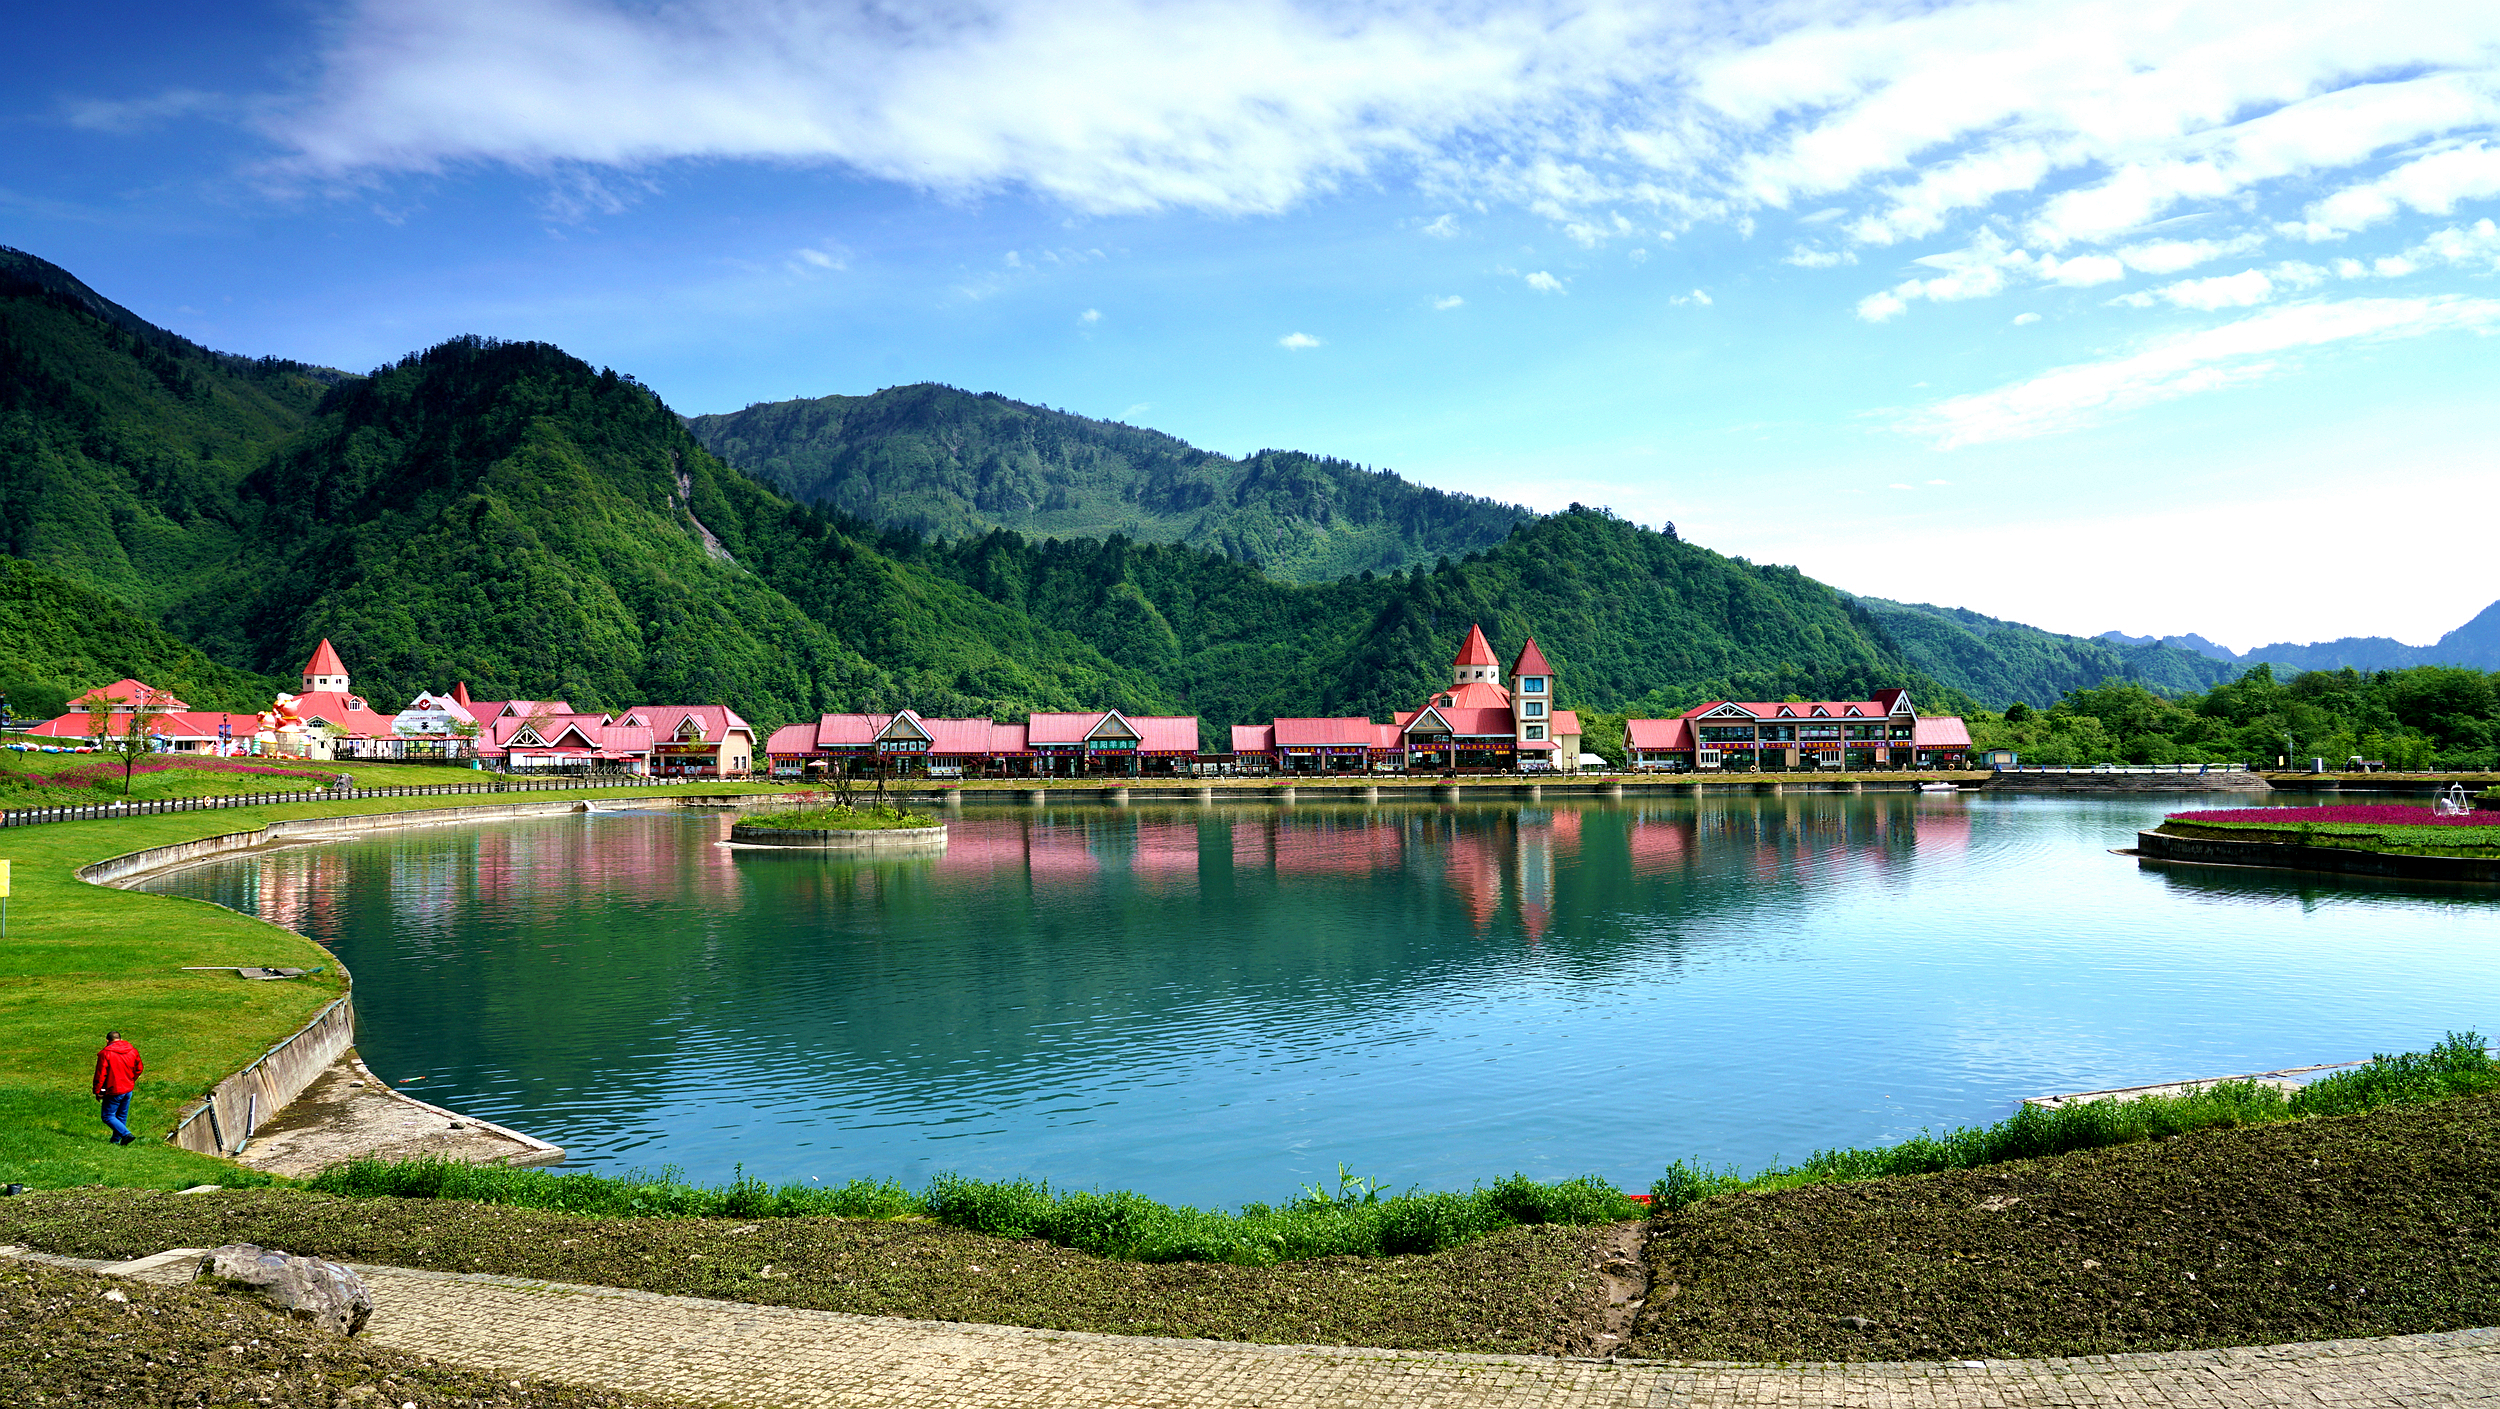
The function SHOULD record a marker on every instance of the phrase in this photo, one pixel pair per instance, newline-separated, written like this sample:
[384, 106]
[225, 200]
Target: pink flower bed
[2381, 813]
[93, 773]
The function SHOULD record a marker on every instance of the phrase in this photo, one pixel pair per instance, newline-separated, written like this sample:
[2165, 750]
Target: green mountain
[953, 463]
[506, 515]
[2004, 661]
[59, 640]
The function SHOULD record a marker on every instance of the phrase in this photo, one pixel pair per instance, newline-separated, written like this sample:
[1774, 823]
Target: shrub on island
[2383, 827]
[877, 817]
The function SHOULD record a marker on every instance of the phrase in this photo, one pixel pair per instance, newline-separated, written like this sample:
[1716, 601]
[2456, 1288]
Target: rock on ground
[307, 1288]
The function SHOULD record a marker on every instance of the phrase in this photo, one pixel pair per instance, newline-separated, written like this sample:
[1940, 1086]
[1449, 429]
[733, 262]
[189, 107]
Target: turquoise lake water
[1222, 1004]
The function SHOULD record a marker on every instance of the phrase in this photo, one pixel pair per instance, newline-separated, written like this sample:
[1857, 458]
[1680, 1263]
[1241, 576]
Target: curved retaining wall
[849, 839]
[220, 1124]
[2162, 846]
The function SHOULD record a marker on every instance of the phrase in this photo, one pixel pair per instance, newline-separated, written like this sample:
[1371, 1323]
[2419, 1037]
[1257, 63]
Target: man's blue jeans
[117, 1114]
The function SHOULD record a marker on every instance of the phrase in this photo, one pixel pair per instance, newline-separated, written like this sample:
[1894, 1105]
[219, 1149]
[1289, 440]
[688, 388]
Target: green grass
[1358, 1218]
[877, 817]
[2457, 1066]
[81, 958]
[204, 779]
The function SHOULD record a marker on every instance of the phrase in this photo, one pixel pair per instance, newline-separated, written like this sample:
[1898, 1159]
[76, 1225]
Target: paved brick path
[773, 1356]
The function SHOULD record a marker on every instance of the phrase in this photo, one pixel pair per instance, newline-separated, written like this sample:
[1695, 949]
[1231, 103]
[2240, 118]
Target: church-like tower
[1533, 715]
[325, 673]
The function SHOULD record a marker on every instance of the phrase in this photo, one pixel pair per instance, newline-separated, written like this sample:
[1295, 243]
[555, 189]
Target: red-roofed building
[547, 739]
[1109, 742]
[1476, 725]
[1885, 731]
[899, 745]
[695, 741]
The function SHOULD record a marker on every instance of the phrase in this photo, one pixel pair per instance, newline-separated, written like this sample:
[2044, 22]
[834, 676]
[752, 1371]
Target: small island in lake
[879, 825]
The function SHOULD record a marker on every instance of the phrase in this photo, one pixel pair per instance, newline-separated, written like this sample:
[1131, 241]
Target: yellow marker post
[4, 900]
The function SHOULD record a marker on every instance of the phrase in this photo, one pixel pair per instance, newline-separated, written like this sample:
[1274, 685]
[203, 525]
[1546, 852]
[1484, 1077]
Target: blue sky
[2156, 317]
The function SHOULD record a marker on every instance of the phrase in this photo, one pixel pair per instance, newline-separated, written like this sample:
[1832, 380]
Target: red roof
[1802, 709]
[1463, 720]
[325, 661]
[974, 737]
[1254, 738]
[1658, 735]
[121, 692]
[1323, 733]
[460, 694]
[1940, 731]
[1388, 736]
[1476, 694]
[1166, 733]
[1531, 661]
[348, 712]
[791, 739]
[716, 721]
[1047, 727]
[1477, 651]
[1566, 722]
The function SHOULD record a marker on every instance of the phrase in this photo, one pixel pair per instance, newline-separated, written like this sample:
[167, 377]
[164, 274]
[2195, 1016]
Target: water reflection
[1219, 1003]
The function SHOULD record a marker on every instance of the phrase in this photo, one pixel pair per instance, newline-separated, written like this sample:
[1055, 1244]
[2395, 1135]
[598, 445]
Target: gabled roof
[973, 736]
[792, 739]
[1565, 722]
[325, 661]
[1428, 721]
[1486, 722]
[1658, 735]
[1531, 661]
[460, 693]
[716, 721]
[1166, 733]
[1475, 694]
[1254, 738]
[1477, 651]
[1885, 702]
[349, 712]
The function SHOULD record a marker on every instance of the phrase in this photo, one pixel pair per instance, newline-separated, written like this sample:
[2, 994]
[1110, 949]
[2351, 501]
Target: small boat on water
[1938, 788]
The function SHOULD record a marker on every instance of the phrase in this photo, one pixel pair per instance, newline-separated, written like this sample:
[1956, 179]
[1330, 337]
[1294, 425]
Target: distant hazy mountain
[954, 463]
[2476, 644]
[2002, 661]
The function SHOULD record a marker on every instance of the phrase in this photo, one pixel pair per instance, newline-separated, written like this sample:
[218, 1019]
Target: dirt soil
[2368, 1225]
[64, 1342]
[1525, 1290]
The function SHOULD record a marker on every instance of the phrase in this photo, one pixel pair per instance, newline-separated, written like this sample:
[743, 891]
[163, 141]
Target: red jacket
[117, 1068]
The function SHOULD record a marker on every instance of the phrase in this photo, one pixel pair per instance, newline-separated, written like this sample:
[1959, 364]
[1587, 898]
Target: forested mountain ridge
[952, 463]
[59, 639]
[2004, 661]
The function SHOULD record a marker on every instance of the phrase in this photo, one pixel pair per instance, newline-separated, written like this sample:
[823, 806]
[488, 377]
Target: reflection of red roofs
[1166, 851]
[1059, 850]
[1660, 846]
[1314, 847]
[1475, 872]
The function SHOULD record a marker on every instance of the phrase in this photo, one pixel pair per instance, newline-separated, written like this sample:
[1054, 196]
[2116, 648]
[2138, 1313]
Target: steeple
[1475, 661]
[325, 672]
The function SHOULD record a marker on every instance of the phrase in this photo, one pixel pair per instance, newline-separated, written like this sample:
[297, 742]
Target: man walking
[117, 1070]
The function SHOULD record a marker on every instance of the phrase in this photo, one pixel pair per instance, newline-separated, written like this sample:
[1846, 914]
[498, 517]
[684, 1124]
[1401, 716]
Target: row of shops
[1884, 731]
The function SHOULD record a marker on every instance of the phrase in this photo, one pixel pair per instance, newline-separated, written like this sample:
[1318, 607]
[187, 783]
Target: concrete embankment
[2234, 782]
[244, 1104]
[2285, 856]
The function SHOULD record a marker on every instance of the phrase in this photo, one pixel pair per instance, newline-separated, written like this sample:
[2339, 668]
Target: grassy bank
[1519, 1290]
[82, 958]
[73, 779]
[1358, 1218]
[2365, 1225]
[2457, 1066]
[2473, 841]
[62, 1343]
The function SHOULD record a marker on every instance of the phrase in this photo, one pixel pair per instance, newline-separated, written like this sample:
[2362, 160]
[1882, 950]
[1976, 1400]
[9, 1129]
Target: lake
[1221, 1004]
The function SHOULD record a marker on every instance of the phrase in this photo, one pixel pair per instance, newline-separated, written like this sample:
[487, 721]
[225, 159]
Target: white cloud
[1296, 342]
[1545, 283]
[1639, 256]
[2022, 318]
[2432, 185]
[1091, 315]
[2165, 369]
[2467, 246]
[1809, 257]
[2069, 122]
[1448, 302]
[2242, 290]
[829, 258]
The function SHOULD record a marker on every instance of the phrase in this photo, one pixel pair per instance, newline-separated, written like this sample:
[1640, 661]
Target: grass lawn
[199, 777]
[82, 958]
[2474, 841]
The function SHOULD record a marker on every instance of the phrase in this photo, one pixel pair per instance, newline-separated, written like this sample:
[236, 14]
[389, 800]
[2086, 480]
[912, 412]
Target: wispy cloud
[1297, 342]
[1091, 315]
[1447, 302]
[1545, 283]
[2165, 369]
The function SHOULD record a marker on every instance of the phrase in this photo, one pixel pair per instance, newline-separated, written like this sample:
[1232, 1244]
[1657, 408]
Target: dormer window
[1442, 701]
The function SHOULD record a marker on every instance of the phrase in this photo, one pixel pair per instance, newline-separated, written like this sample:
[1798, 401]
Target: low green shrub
[1359, 1218]
[2457, 1066]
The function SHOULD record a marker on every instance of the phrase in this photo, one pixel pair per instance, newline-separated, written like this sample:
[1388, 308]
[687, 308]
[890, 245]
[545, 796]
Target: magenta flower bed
[2384, 814]
[90, 775]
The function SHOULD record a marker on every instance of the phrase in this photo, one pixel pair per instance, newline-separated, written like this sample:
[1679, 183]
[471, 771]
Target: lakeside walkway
[774, 1356]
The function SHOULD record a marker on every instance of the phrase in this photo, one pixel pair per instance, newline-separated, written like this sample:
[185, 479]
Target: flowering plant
[2378, 813]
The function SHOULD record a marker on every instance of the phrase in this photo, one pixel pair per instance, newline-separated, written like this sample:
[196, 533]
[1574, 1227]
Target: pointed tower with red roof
[325, 673]
[1475, 661]
[1543, 732]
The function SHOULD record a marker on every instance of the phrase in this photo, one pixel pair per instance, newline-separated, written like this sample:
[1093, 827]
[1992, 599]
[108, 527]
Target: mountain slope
[121, 443]
[953, 463]
[2004, 661]
[59, 639]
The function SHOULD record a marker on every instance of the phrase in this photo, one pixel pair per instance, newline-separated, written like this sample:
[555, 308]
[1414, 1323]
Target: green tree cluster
[2444, 717]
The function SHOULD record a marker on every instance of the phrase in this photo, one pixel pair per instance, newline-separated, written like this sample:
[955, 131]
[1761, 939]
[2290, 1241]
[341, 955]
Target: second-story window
[1534, 709]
